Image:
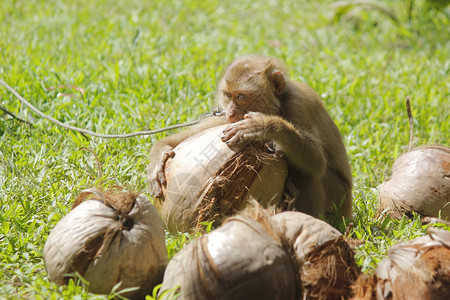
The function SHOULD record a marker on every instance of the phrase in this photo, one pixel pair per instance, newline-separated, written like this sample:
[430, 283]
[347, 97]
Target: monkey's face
[247, 88]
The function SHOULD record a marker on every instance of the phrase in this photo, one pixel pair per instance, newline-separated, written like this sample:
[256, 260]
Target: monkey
[263, 104]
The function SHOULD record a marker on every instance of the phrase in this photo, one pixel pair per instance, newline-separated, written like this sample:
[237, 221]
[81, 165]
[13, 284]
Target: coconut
[420, 182]
[108, 239]
[254, 256]
[208, 181]
[240, 260]
[326, 262]
[417, 269]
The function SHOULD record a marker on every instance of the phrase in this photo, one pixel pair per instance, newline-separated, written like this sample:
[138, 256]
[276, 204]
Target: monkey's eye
[228, 95]
[242, 96]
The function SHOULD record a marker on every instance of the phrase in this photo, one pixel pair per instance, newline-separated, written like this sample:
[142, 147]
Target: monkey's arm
[302, 149]
[163, 150]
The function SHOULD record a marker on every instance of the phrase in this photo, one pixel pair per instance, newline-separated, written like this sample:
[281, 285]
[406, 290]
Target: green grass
[149, 64]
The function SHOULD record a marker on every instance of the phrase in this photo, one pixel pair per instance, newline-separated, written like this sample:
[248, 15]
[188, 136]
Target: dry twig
[2, 108]
[411, 124]
[86, 131]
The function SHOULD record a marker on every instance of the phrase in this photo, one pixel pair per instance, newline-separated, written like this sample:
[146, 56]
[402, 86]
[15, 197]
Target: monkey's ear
[278, 81]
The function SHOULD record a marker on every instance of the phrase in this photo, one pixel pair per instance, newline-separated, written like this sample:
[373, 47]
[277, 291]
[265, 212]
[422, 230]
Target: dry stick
[14, 116]
[86, 131]
[411, 124]
[97, 160]
[349, 229]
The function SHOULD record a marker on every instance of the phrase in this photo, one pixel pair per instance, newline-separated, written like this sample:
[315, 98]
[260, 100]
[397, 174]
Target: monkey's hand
[254, 127]
[156, 175]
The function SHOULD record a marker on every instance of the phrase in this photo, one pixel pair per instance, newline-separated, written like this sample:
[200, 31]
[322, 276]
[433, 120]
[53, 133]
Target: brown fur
[262, 104]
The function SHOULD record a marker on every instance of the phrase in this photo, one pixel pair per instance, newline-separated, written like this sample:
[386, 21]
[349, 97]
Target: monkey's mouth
[234, 119]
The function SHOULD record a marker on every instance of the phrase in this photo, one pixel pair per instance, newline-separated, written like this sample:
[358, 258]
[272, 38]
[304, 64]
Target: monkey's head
[251, 83]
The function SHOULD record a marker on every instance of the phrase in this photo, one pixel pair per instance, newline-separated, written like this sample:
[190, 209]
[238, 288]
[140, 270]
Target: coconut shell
[327, 267]
[240, 260]
[420, 182]
[208, 181]
[418, 269]
[109, 239]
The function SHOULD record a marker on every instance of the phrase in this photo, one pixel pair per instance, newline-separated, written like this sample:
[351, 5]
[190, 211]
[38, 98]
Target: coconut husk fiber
[109, 238]
[420, 183]
[417, 269]
[208, 181]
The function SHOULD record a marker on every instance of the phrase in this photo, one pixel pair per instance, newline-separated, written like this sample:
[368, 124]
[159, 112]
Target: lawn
[124, 66]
